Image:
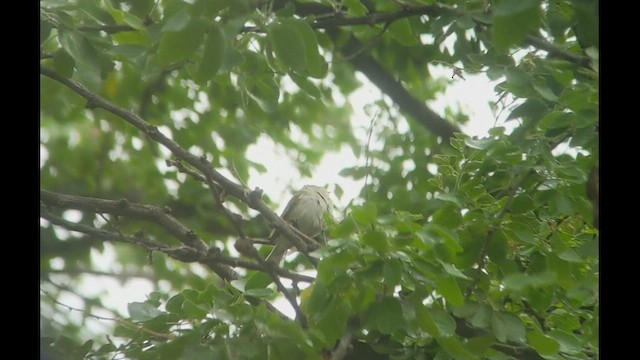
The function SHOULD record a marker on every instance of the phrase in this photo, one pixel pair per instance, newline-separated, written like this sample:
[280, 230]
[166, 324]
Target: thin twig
[119, 320]
[245, 247]
[367, 152]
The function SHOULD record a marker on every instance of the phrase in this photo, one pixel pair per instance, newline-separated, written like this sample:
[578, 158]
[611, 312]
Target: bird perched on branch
[305, 211]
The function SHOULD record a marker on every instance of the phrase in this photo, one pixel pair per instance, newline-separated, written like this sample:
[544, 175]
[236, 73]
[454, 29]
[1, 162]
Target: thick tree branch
[182, 253]
[408, 104]
[102, 234]
[210, 258]
[557, 52]
[123, 207]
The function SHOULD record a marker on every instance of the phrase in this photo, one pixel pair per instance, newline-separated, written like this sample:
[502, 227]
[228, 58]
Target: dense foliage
[458, 248]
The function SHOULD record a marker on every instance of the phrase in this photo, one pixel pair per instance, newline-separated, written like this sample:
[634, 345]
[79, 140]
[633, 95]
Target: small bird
[305, 211]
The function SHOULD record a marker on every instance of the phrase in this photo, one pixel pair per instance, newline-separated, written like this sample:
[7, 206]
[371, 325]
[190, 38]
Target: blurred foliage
[459, 248]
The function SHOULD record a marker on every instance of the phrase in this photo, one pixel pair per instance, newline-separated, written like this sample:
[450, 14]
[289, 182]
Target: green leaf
[45, 30]
[520, 231]
[194, 311]
[561, 205]
[345, 228]
[142, 311]
[174, 304]
[516, 76]
[128, 52]
[105, 349]
[543, 344]
[587, 27]
[446, 236]
[376, 240]
[495, 72]
[478, 144]
[453, 270]
[388, 315]
[507, 326]
[316, 66]
[451, 198]
[465, 22]
[562, 269]
[209, 8]
[531, 109]
[455, 349]
[307, 86]
[124, 16]
[262, 89]
[522, 203]
[214, 50]
[426, 321]
[84, 349]
[444, 322]
[133, 21]
[317, 299]
[63, 63]
[259, 293]
[180, 45]
[570, 255]
[482, 317]
[258, 280]
[520, 281]
[480, 344]
[392, 271]
[355, 7]
[513, 21]
[568, 342]
[178, 21]
[288, 45]
[541, 88]
[92, 9]
[333, 321]
[365, 214]
[448, 288]
[498, 247]
[80, 49]
[366, 294]
[401, 31]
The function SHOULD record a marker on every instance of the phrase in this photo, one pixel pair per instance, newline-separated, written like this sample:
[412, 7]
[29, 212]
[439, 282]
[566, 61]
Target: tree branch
[558, 52]
[159, 216]
[410, 105]
[211, 257]
[327, 18]
[245, 247]
[182, 253]
[121, 321]
[252, 199]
